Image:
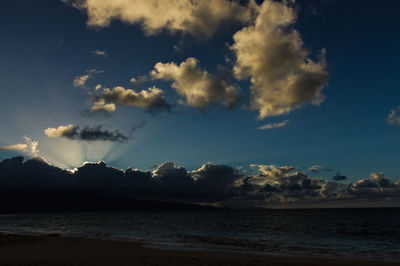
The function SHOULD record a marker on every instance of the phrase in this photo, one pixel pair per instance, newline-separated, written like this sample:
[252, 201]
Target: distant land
[15, 201]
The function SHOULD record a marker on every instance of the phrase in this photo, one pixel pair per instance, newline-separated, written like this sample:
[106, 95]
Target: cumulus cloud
[274, 125]
[101, 105]
[152, 99]
[271, 53]
[195, 17]
[80, 81]
[216, 181]
[394, 117]
[211, 183]
[29, 146]
[99, 53]
[375, 186]
[277, 175]
[95, 133]
[59, 131]
[174, 182]
[277, 185]
[199, 88]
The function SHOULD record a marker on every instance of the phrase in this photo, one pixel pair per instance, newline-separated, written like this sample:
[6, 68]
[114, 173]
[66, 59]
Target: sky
[305, 83]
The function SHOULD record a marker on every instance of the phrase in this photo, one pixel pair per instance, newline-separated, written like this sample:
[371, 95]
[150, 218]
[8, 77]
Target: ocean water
[351, 233]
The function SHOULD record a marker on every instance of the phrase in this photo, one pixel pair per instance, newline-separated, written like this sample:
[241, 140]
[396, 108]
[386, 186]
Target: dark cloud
[94, 133]
[34, 173]
[216, 180]
[339, 177]
[212, 184]
[138, 126]
[152, 100]
[376, 185]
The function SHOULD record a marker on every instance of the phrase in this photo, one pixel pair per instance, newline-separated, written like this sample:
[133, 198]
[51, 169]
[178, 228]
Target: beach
[55, 250]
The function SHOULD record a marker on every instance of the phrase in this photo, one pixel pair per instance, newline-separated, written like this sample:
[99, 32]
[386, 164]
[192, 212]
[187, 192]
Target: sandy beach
[54, 250]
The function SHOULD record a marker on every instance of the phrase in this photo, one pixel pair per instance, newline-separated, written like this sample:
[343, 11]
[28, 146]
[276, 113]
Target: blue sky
[46, 44]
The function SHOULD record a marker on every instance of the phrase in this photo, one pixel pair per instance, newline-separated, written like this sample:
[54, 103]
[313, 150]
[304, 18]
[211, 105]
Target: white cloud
[196, 17]
[101, 105]
[15, 147]
[139, 79]
[199, 88]
[271, 53]
[59, 131]
[274, 125]
[33, 145]
[394, 117]
[80, 81]
[99, 53]
[98, 87]
[30, 146]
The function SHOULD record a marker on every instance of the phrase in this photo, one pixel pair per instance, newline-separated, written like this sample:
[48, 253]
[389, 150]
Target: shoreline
[59, 250]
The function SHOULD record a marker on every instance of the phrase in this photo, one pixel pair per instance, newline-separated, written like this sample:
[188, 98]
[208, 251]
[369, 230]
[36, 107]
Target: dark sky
[139, 83]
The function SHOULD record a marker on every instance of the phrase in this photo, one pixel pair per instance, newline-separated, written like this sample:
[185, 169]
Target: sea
[346, 233]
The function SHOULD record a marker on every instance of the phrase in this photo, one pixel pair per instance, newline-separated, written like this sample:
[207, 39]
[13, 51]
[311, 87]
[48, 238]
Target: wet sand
[54, 250]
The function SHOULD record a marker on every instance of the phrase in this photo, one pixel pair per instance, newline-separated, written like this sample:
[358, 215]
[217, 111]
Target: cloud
[15, 147]
[80, 81]
[339, 177]
[30, 146]
[199, 88]
[59, 131]
[196, 17]
[136, 127]
[277, 175]
[173, 182]
[375, 186]
[140, 79]
[271, 53]
[282, 185]
[152, 99]
[99, 53]
[101, 105]
[267, 50]
[216, 181]
[34, 173]
[274, 125]
[214, 184]
[95, 133]
[318, 168]
[394, 117]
